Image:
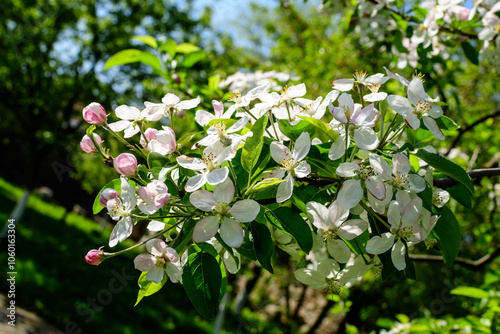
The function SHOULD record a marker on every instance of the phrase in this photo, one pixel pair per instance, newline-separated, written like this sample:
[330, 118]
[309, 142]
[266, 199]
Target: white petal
[174, 271]
[155, 275]
[366, 138]
[337, 150]
[318, 215]
[339, 250]
[347, 169]
[279, 152]
[311, 278]
[297, 91]
[196, 182]
[394, 214]
[412, 211]
[128, 113]
[416, 91]
[337, 215]
[400, 164]
[224, 191]
[398, 255]
[378, 245]
[203, 117]
[400, 104]
[231, 232]
[285, 189]
[156, 247]
[203, 200]
[352, 228]
[155, 226]
[189, 104]
[217, 175]
[302, 146]
[238, 125]
[303, 169]
[343, 85]
[350, 194]
[245, 210]
[206, 228]
[431, 124]
[416, 183]
[170, 99]
[380, 166]
[120, 125]
[375, 97]
[376, 187]
[121, 231]
[144, 262]
[191, 163]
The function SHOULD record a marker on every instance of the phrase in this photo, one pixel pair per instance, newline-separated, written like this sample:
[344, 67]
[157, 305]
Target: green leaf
[398, 41]
[253, 145]
[114, 184]
[202, 281]
[410, 267]
[186, 48]
[426, 196]
[147, 40]
[263, 244]
[147, 288]
[192, 58]
[132, 56]
[448, 168]
[156, 162]
[184, 236]
[447, 233]
[290, 220]
[468, 291]
[229, 122]
[247, 248]
[265, 185]
[170, 47]
[461, 195]
[321, 126]
[470, 52]
[293, 132]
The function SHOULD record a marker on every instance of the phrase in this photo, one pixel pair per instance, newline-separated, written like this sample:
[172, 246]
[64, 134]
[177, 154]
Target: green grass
[54, 281]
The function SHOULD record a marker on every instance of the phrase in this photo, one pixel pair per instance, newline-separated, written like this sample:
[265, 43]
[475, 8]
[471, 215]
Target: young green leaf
[469, 291]
[147, 288]
[149, 40]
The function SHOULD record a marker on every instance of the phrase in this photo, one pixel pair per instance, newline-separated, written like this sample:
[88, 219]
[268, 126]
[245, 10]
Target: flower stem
[370, 211]
[235, 179]
[126, 143]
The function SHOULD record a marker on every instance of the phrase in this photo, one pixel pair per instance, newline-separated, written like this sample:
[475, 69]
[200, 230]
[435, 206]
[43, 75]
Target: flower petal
[196, 182]
[431, 124]
[339, 250]
[156, 247]
[217, 175]
[206, 228]
[127, 113]
[366, 138]
[400, 164]
[398, 255]
[203, 200]
[380, 244]
[347, 169]
[399, 104]
[231, 232]
[376, 187]
[144, 262]
[121, 231]
[174, 271]
[350, 194]
[302, 146]
[352, 228]
[318, 215]
[155, 275]
[302, 170]
[191, 163]
[285, 189]
[245, 210]
[224, 191]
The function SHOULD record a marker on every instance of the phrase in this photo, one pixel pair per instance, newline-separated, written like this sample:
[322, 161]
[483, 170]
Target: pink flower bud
[176, 78]
[94, 113]
[462, 14]
[106, 195]
[150, 134]
[125, 164]
[87, 145]
[94, 257]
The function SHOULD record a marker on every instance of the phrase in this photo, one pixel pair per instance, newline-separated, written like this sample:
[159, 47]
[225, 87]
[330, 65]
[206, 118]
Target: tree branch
[468, 263]
[475, 174]
[469, 127]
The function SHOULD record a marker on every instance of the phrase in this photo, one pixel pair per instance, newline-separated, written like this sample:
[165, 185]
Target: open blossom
[120, 209]
[211, 173]
[292, 163]
[219, 202]
[125, 164]
[398, 176]
[490, 22]
[170, 103]
[164, 141]
[328, 274]
[94, 114]
[404, 220]
[362, 176]
[274, 99]
[130, 117]
[333, 227]
[87, 145]
[203, 117]
[159, 260]
[218, 132]
[418, 106]
[345, 85]
[244, 101]
[154, 196]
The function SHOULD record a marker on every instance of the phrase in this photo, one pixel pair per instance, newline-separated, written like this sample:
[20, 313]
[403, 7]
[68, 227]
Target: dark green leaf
[447, 233]
[184, 236]
[253, 145]
[263, 244]
[398, 41]
[247, 248]
[156, 162]
[447, 167]
[461, 195]
[426, 197]
[410, 267]
[292, 222]
[470, 52]
[202, 281]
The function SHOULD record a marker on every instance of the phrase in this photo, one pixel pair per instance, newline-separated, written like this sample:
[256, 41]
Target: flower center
[347, 113]
[160, 261]
[422, 107]
[330, 235]
[236, 97]
[309, 109]
[365, 172]
[287, 163]
[405, 232]
[360, 76]
[400, 180]
[221, 129]
[209, 160]
[334, 285]
[374, 87]
[221, 207]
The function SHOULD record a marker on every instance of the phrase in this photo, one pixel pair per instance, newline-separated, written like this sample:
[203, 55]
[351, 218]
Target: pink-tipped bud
[462, 14]
[94, 257]
[176, 78]
[150, 134]
[87, 145]
[106, 195]
[94, 113]
[125, 164]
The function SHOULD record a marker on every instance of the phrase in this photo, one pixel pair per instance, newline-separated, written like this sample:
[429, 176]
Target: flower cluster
[270, 170]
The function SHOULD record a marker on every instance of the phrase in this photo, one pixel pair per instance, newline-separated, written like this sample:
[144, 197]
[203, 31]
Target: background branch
[468, 263]
[475, 174]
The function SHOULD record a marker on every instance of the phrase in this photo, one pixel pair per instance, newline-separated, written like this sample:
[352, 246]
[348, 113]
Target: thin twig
[475, 174]
[468, 263]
